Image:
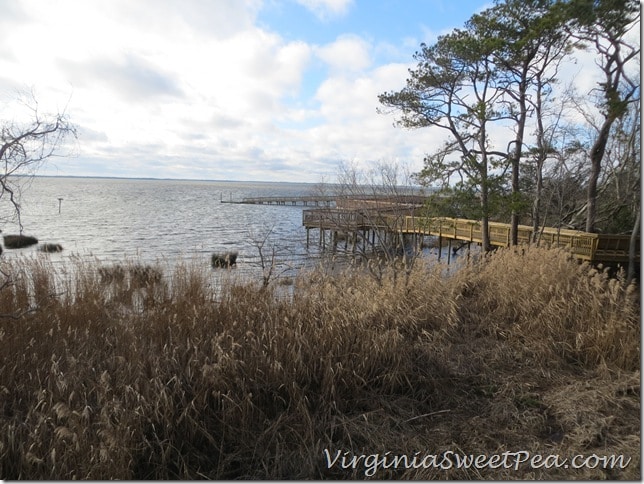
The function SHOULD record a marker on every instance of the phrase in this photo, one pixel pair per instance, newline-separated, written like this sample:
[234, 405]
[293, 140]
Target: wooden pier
[356, 224]
[294, 200]
[335, 221]
[583, 245]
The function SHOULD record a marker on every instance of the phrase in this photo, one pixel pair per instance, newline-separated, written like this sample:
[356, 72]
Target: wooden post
[60, 201]
[449, 250]
[440, 246]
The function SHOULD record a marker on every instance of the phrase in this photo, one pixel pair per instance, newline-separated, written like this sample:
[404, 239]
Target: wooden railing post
[593, 249]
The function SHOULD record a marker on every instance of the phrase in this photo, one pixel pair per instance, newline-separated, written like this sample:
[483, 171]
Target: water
[164, 221]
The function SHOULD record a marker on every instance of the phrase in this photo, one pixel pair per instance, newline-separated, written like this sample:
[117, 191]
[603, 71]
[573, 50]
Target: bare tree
[271, 264]
[26, 143]
[381, 198]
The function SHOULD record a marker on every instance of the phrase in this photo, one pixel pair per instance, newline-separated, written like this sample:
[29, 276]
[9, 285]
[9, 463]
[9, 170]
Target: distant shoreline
[165, 179]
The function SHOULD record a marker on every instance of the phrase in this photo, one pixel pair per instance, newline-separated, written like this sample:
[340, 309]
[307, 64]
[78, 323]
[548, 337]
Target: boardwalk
[353, 202]
[295, 200]
[582, 245]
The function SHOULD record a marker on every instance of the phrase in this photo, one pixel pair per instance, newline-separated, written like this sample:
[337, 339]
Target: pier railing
[583, 245]
[335, 219]
[285, 200]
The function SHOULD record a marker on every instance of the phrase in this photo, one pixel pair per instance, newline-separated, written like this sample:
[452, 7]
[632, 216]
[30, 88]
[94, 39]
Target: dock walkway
[582, 245]
[294, 200]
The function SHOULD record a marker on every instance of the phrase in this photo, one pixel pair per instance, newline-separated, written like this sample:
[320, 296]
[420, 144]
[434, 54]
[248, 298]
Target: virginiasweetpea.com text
[370, 464]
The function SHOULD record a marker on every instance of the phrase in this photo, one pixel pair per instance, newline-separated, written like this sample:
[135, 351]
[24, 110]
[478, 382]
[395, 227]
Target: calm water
[149, 221]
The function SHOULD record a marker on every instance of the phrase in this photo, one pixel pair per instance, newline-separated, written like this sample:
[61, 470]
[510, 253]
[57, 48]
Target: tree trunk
[536, 204]
[632, 249]
[596, 157]
[516, 163]
[485, 219]
[540, 160]
[514, 217]
[485, 209]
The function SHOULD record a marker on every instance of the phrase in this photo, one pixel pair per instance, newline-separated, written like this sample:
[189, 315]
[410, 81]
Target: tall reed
[141, 375]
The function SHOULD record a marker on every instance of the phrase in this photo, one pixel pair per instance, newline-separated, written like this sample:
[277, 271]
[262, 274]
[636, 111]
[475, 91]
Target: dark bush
[227, 259]
[51, 248]
[19, 241]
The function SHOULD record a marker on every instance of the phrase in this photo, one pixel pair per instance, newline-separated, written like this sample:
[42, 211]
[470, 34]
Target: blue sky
[281, 90]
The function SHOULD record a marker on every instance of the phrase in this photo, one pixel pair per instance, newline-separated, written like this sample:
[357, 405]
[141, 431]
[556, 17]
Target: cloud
[90, 135]
[9, 87]
[219, 19]
[348, 53]
[223, 121]
[268, 64]
[196, 89]
[130, 77]
[11, 14]
[326, 9]
[352, 129]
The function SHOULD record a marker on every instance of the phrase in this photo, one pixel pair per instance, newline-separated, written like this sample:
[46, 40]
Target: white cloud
[325, 9]
[191, 80]
[191, 89]
[354, 131]
[348, 53]
[132, 77]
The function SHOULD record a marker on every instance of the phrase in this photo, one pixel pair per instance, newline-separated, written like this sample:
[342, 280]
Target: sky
[251, 90]
[255, 90]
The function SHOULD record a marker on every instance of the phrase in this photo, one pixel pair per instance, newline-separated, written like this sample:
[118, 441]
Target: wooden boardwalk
[295, 200]
[582, 245]
[354, 202]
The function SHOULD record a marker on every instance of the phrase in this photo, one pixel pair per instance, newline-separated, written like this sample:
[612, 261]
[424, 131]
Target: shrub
[225, 260]
[19, 241]
[51, 248]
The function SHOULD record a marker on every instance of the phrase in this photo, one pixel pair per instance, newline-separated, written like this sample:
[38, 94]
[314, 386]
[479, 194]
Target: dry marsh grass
[120, 373]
